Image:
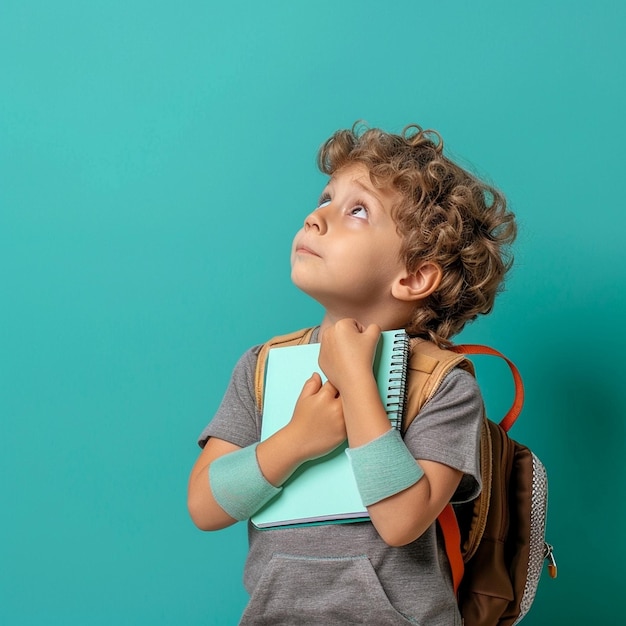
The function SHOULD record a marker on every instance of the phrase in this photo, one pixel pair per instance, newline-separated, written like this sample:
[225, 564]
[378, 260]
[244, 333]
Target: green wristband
[238, 485]
[383, 467]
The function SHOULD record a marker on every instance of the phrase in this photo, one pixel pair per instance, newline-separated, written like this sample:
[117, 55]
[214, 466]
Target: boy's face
[347, 254]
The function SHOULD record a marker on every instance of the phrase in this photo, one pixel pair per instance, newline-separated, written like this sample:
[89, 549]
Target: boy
[402, 237]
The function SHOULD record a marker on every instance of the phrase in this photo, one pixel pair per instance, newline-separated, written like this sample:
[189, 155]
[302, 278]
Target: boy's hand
[347, 352]
[317, 425]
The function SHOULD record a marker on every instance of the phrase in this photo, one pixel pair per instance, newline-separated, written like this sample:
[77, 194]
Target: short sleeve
[237, 420]
[447, 430]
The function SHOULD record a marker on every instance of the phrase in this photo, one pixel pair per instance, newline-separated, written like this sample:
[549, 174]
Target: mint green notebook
[323, 490]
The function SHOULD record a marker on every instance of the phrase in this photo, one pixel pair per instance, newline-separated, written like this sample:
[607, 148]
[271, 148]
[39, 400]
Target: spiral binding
[396, 391]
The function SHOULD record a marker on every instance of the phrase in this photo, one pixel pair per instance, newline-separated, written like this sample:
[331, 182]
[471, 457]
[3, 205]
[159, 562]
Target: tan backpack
[496, 543]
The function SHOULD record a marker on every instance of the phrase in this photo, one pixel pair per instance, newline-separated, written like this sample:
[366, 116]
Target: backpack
[495, 543]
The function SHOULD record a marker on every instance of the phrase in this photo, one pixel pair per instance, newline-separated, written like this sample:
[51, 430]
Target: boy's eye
[359, 211]
[323, 201]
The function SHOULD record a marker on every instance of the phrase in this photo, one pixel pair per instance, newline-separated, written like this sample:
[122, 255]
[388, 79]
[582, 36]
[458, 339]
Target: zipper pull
[548, 554]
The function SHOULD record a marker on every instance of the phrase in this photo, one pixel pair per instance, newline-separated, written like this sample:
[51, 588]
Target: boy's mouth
[300, 249]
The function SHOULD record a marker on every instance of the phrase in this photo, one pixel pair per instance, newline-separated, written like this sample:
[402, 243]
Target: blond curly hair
[447, 216]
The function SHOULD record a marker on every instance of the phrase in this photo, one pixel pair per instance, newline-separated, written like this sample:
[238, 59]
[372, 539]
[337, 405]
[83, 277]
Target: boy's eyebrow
[368, 190]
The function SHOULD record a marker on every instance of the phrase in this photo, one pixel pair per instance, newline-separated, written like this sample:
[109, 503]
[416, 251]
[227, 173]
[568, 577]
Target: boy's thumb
[373, 331]
[312, 384]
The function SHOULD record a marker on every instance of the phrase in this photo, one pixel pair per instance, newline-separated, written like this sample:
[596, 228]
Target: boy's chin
[308, 290]
[299, 283]
[303, 289]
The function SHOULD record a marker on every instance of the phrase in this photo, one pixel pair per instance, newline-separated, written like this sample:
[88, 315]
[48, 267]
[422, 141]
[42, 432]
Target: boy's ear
[419, 284]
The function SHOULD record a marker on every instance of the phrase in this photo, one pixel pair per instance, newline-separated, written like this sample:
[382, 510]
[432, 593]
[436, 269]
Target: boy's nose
[316, 220]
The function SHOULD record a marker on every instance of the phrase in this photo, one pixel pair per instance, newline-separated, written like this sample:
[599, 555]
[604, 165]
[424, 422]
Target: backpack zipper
[548, 555]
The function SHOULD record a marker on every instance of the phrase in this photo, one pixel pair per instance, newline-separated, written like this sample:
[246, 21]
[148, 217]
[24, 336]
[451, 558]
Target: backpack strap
[518, 401]
[452, 541]
[428, 366]
[296, 338]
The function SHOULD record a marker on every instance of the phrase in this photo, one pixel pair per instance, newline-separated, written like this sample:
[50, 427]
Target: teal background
[156, 159]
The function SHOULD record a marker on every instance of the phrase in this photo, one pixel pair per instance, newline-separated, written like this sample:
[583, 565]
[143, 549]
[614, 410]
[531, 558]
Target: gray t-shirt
[345, 573]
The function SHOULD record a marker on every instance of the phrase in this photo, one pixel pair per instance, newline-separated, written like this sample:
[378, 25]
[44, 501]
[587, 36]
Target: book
[324, 490]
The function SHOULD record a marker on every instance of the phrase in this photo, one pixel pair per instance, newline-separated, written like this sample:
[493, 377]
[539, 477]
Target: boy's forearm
[404, 516]
[203, 509]
[279, 456]
[364, 413]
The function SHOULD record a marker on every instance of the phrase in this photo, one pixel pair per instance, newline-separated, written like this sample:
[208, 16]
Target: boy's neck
[385, 322]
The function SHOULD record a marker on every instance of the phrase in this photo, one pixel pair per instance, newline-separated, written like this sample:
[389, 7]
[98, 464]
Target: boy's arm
[403, 517]
[346, 356]
[316, 428]
[205, 512]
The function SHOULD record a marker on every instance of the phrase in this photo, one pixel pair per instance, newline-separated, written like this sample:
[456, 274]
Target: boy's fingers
[330, 389]
[373, 331]
[356, 325]
[349, 323]
[312, 385]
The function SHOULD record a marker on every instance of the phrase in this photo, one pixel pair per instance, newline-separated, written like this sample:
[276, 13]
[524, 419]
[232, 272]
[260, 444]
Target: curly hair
[447, 216]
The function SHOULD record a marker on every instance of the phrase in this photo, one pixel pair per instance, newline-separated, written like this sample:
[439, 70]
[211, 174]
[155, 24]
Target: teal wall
[156, 158]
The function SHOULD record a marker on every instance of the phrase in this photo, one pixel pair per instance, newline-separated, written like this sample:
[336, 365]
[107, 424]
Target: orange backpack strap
[452, 541]
[296, 338]
[518, 402]
[429, 365]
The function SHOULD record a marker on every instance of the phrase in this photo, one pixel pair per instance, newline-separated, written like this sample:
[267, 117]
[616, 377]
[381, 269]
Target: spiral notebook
[324, 490]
